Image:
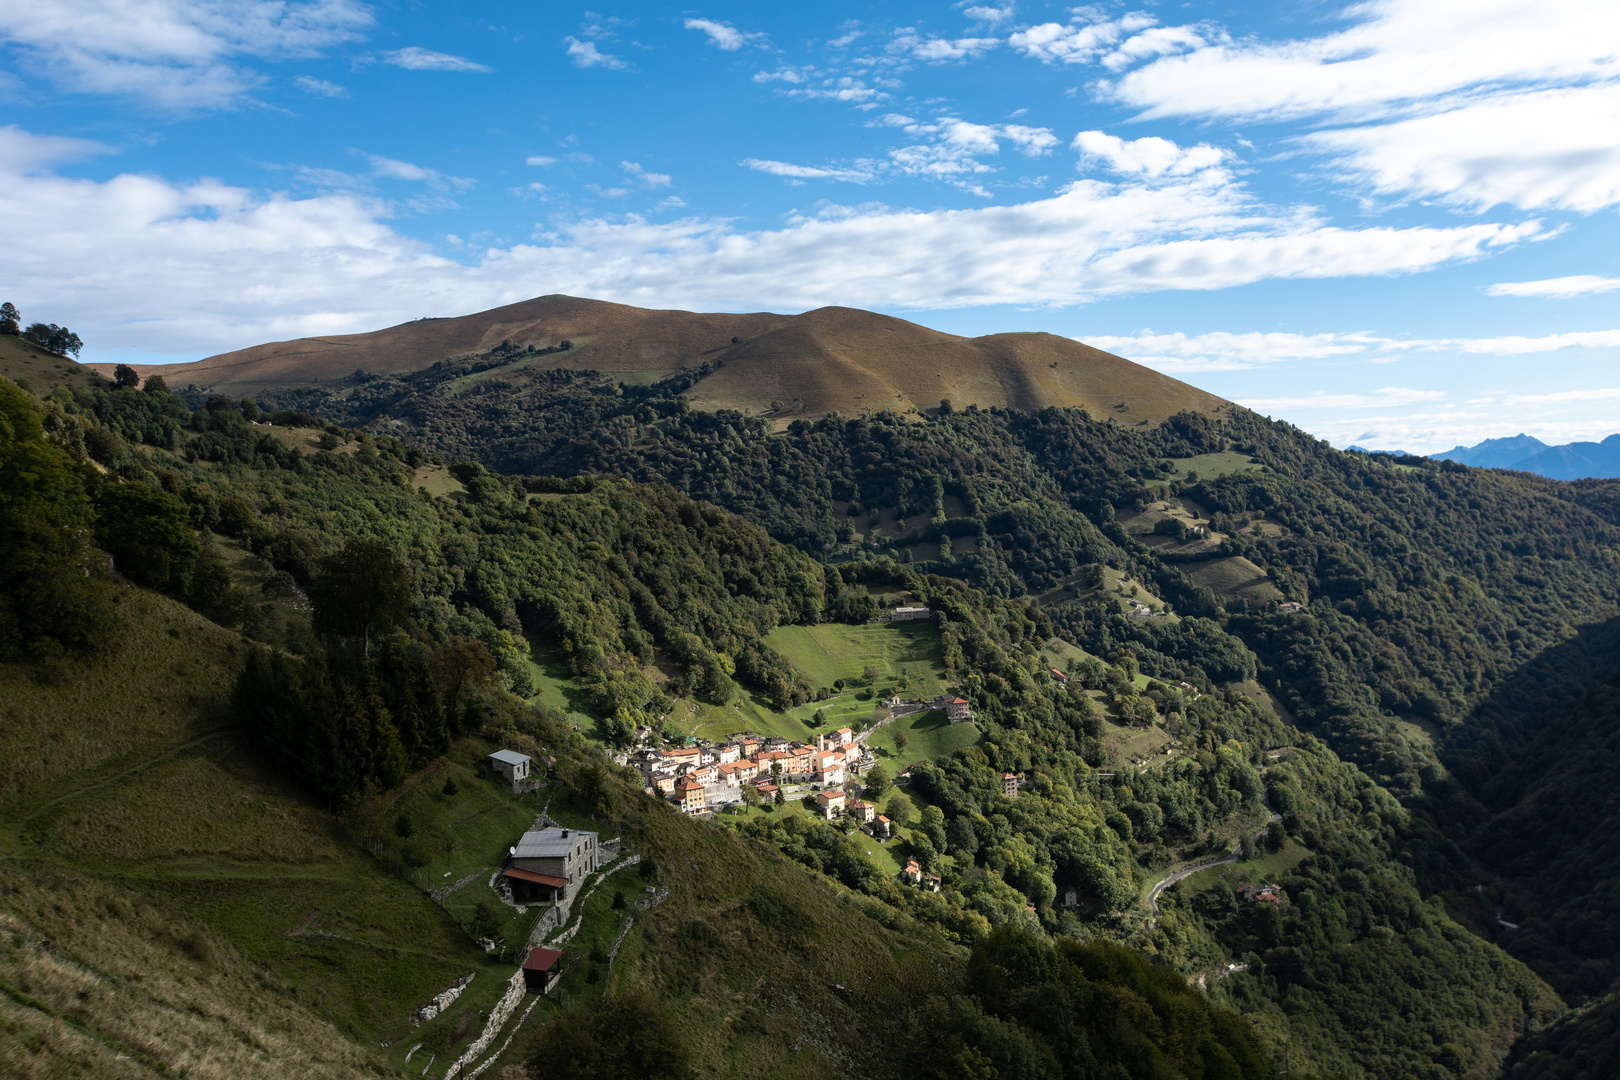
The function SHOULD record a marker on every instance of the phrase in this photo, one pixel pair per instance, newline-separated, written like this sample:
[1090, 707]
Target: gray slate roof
[549, 843]
[509, 757]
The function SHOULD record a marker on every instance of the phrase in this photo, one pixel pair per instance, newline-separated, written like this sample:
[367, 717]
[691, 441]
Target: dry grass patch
[99, 983]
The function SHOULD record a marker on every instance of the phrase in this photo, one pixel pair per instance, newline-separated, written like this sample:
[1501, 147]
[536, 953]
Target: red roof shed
[541, 969]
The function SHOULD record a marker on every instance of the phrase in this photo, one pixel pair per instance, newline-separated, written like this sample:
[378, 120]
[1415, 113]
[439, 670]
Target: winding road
[1204, 864]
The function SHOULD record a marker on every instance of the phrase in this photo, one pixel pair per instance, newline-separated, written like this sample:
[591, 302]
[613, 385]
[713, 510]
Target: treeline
[1031, 1008]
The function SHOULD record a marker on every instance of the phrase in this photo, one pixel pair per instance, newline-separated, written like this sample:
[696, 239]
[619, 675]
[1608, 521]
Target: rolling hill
[822, 361]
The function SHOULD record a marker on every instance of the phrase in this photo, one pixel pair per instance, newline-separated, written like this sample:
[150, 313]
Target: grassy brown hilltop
[827, 360]
[605, 336]
[847, 360]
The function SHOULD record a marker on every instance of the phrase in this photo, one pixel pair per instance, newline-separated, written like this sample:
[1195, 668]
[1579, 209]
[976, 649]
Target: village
[704, 777]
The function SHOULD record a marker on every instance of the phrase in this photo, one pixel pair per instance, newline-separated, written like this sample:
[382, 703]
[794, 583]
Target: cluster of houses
[699, 778]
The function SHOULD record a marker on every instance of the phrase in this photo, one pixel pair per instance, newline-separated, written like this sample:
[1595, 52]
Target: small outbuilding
[541, 970]
[514, 766]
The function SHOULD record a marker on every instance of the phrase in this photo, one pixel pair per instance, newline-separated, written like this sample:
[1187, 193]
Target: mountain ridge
[818, 362]
[1526, 453]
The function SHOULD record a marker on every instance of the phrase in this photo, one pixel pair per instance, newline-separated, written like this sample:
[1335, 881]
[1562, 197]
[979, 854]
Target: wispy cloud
[1559, 288]
[415, 58]
[1221, 351]
[585, 54]
[723, 35]
[994, 16]
[641, 176]
[858, 175]
[320, 87]
[393, 169]
[230, 265]
[1389, 397]
[932, 49]
[1474, 106]
[170, 53]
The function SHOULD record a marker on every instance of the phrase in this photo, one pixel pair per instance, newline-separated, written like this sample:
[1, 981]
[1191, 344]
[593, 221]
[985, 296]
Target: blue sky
[1392, 224]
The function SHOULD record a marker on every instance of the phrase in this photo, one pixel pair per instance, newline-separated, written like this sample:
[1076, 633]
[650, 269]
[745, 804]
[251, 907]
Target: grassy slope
[195, 912]
[171, 877]
[832, 651]
[40, 370]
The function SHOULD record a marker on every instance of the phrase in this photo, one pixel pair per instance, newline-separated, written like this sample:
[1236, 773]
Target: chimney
[565, 834]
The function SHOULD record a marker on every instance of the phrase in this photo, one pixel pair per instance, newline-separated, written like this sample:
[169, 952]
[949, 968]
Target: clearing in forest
[906, 654]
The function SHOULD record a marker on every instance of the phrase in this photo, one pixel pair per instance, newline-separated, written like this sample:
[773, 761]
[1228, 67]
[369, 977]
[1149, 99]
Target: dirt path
[13, 829]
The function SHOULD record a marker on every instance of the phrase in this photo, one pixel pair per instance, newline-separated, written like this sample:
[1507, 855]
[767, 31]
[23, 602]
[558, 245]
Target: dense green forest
[1427, 590]
[1427, 582]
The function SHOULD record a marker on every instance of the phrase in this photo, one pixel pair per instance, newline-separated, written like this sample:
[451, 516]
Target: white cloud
[1549, 149]
[1222, 351]
[1080, 42]
[1389, 397]
[404, 170]
[1032, 142]
[585, 54]
[724, 35]
[671, 202]
[1474, 104]
[840, 88]
[995, 16]
[810, 172]
[414, 58]
[1149, 157]
[955, 146]
[201, 267]
[930, 49]
[787, 74]
[1152, 42]
[1559, 288]
[641, 176]
[23, 152]
[1515, 345]
[1396, 54]
[541, 160]
[320, 87]
[172, 54]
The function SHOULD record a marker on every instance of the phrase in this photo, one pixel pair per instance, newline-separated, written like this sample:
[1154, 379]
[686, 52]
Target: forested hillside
[1427, 586]
[175, 850]
[420, 612]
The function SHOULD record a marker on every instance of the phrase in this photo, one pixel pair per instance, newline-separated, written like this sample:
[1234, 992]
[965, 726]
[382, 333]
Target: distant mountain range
[1525, 453]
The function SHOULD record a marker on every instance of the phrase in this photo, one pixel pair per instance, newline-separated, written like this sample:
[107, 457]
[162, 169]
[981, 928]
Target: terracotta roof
[538, 879]
[541, 959]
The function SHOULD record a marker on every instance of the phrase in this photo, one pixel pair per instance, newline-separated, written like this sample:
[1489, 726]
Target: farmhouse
[907, 614]
[514, 766]
[957, 710]
[1262, 894]
[549, 864]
